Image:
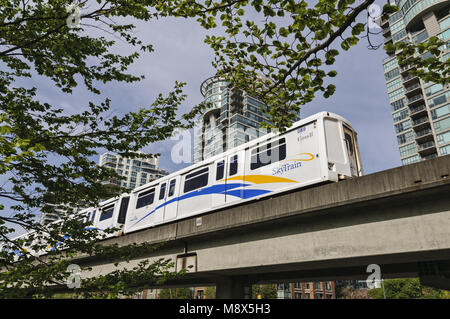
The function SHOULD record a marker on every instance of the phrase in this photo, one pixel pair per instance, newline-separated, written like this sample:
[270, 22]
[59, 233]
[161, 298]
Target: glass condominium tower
[421, 111]
[137, 171]
[233, 119]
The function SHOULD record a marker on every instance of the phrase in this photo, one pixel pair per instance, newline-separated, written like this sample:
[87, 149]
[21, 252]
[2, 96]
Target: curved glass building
[421, 111]
[233, 119]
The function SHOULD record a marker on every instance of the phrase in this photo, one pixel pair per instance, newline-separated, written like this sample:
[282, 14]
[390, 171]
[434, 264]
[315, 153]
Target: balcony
[410, 79]
[427, 148]
[388, 39]
[405, 69]
[420, 123]
[429, 156]
[415, 100]
[412, 90]
[418, 111]
[424, 135]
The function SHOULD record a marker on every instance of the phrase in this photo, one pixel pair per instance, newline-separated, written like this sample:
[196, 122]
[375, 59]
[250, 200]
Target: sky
[181, 55]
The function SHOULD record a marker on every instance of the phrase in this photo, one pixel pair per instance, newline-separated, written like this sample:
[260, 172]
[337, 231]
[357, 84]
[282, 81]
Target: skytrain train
[321, 148]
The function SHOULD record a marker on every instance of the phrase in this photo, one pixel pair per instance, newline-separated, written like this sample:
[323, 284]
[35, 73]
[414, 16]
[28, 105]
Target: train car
[322, 148]
[319, 149]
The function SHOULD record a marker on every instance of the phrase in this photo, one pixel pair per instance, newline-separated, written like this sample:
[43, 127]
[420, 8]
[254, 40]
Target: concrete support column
[233, 288]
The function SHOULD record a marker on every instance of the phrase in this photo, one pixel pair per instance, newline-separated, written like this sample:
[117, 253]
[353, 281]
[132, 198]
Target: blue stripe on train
[215, 189]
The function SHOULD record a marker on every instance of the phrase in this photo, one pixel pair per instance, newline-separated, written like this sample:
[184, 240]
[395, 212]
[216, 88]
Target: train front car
[341, 145]
[319, 149]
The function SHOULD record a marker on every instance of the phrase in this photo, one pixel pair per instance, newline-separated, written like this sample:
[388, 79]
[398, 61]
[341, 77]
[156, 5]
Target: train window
[233, 165]
[348, 140]
[107, 212]
[220, 170]
[93, 215]
[172, 187]
[196, 180]
[267, 154]
[145, 198]
[162, 191]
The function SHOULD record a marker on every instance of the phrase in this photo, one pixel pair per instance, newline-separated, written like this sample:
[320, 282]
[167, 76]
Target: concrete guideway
[398, 219]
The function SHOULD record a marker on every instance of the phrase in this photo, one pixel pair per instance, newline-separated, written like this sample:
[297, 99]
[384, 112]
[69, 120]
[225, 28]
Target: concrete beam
[395, 218]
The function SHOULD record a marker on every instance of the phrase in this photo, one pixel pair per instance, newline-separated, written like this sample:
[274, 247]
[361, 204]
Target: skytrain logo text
[293, 163]
[285, 168]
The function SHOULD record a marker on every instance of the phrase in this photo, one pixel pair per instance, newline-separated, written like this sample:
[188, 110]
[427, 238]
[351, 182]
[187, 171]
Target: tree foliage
[47, 155]
[264, 291]
[408, 288]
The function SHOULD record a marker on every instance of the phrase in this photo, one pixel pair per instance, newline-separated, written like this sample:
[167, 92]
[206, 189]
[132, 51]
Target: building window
[433, 89]
[439, 99]
[327, 285]
[442, 124]
[444, 24]
[317, 285]
[440, 111]
[445, 150]
[443, 138]
[391, 74]
[408, 149]
[200, 294]
[318, 296]
[395, 95]
[402, 126]
[397, 105]
[307, 295]
[400, 115]
[405, 137]
[395, 84]
[410, 160]
[298, 295]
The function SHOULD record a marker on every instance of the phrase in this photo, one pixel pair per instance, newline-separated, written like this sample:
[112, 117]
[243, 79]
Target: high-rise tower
[234, 119]
[421, 111]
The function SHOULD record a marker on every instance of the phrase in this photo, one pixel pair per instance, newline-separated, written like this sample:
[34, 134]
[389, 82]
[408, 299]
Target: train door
[123, 210]
[350, 142]
[218, 175]
[171, 209]
[160, 206]
[235, 177]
